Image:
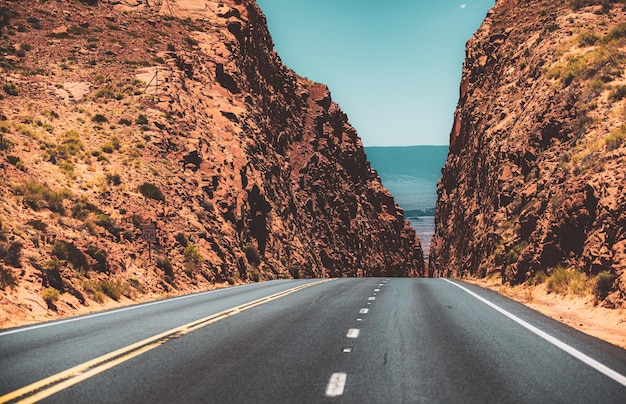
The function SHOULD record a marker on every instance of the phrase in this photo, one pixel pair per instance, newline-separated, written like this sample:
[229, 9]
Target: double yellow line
[67, 378]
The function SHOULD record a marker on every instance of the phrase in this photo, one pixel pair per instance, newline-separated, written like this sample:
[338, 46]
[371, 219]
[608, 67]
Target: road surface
[371, 340]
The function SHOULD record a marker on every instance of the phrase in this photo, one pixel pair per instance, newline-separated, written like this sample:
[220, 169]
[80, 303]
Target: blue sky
[393, 67]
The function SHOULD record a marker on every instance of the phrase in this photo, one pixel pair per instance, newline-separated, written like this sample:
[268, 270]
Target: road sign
[148, 232]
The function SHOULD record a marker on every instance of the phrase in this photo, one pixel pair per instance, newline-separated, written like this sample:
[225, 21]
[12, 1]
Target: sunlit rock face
[535, 175]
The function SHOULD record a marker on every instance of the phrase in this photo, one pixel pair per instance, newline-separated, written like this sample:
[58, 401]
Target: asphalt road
[367, 340]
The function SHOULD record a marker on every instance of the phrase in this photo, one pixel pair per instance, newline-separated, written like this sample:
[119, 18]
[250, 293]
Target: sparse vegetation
[618, 93]
[587, 38]
[113, 179]
[513, 254]
[563, 281]
[70, 145]
[616, 138]
[50, 295]
[141, 120]
[39, 196]
[112, 288]
[254, 275]
[15, 160]
[106, 92]
[13, 255]
[7, 279]
[100, 256]
[99, 118]
[165, 264]
[151, 191]
[70, 253]
[599, 62]
[191, 41]
[37, 224]
[182, 239]
[193, 259]
[11, 88]
[603, 282]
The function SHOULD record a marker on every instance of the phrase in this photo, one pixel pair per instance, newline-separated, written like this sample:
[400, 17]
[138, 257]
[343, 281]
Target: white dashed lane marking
[336, 384]
[353, 333]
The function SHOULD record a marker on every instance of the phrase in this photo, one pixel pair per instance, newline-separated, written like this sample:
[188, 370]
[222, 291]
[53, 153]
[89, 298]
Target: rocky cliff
[534, 181]
[122, 113]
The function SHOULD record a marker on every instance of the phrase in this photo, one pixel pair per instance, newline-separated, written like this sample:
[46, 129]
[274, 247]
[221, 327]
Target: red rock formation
[535, 173]
[178, 112]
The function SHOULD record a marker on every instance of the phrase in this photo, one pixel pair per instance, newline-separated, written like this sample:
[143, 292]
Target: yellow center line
[53, 384]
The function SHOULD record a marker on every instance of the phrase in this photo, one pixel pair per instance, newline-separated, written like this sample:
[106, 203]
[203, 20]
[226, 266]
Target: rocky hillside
[121, 113]
[534, 182]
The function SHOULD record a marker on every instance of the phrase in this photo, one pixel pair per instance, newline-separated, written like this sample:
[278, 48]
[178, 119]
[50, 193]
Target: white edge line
[336, 384]
[618, 377]
[113, 311]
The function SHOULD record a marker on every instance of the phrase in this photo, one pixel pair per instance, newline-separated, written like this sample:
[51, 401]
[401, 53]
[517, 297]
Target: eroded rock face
[535, 174]
[185, 117]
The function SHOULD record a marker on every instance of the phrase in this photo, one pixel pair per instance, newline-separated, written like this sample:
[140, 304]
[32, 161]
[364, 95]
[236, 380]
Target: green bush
[50, 295]
[37, 224]
[111, 288]
[165, 264]
[99, 118]
[182, 239]
[107, 148]
[6, 278]
[191, 41]
[106, 222]
[5, 143]
[70, 145]
[11, 88]
[100, 256]
[578, 4]
[13, 255]
[295, 271]
[106, 92]
[39, 196]
[254, 275]
[114, 179]
[82, 208]
[603, 283]
[141, 120]
[564, 281]
[615, 34]
[193, 259]
[618, 93]
[70, 253]
[151, 191]
[587, 38]
[616, 138]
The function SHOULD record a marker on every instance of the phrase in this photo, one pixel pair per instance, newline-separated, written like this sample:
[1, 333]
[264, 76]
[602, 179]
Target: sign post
[148, 234]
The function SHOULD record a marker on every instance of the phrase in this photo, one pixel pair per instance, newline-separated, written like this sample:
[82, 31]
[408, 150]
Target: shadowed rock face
[535, 174]
[180, 112]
